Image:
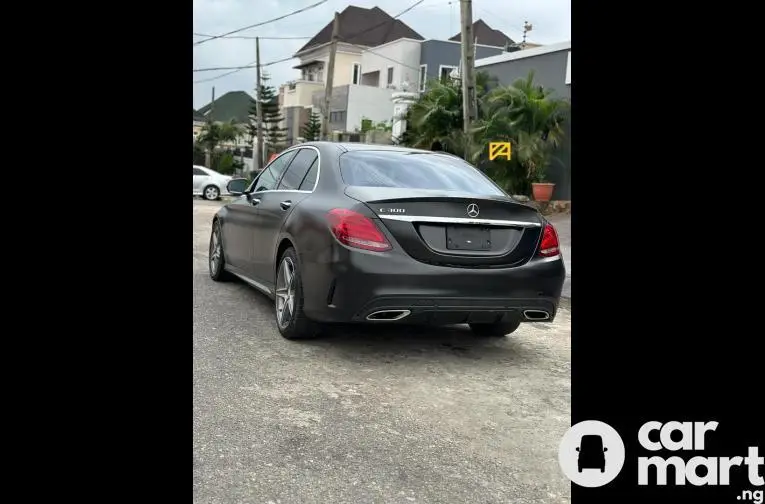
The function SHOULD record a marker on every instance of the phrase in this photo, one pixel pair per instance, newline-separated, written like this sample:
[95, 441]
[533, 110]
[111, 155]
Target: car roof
[353, 146]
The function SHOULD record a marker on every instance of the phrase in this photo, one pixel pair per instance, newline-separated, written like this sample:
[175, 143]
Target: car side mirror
[605, 449]
[237, 186]
[577, 448]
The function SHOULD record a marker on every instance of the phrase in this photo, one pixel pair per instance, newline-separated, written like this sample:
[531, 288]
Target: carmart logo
[591, 454]
[692, 437]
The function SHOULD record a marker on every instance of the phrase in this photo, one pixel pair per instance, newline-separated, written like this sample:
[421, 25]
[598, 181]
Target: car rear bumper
[356, 286]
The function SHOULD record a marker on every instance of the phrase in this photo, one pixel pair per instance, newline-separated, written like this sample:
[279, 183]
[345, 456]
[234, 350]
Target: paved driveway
[370, 415]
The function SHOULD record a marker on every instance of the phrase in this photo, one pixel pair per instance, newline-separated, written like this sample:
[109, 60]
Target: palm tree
[436, 120]
[213, 134]
[531, 108]
[531, 118]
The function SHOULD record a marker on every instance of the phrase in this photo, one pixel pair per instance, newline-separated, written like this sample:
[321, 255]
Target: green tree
[213, 134]
[311, 130]
[274, 136]
[531, 118]
[436, 119]
[525, 114]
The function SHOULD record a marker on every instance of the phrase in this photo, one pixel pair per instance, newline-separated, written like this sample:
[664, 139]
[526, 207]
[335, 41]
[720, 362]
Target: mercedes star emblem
[473, 210]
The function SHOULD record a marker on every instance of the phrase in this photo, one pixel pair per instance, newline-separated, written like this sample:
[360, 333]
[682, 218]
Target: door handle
[254, 201]
[285, 204]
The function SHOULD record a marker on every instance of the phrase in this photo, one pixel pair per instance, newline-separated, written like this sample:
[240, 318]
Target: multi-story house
[370, 65]
[359, 29]
[438, 58]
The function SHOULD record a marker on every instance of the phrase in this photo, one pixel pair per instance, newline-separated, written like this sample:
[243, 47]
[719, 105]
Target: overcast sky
[436, 19]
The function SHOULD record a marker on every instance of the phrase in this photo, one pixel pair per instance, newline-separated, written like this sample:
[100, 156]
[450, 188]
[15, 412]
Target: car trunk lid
[455, 228]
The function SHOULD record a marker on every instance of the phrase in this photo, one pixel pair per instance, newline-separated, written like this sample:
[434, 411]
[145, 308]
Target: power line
[242, 67]
[261, 23]
[253, 37]
[221, 75]
[385, 57]
[233, 70]
[502, 19]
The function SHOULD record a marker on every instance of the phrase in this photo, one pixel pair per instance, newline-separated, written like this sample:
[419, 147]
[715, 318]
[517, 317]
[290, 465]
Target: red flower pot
[542, 191]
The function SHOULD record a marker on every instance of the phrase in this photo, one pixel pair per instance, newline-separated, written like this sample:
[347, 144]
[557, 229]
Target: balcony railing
[293, 83]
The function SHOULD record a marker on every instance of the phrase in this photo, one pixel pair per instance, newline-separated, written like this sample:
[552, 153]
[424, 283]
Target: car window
[298, 169]
[269, 178]
[199, 171]
[414, 170]
[310, 178]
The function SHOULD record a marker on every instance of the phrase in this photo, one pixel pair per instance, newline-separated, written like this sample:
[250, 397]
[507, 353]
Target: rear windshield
[413, 171]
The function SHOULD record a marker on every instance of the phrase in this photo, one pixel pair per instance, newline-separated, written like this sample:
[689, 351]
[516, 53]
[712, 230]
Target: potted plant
[534, 153]
[540, 188]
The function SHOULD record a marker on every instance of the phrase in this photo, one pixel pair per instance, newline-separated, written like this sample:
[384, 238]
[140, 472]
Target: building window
[423, 77]
[444, 71]
[337, 117]
[356, 76]
[390, 76]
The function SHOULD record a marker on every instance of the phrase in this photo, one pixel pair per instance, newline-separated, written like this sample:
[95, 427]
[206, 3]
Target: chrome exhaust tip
[388, 315]
[536, 315]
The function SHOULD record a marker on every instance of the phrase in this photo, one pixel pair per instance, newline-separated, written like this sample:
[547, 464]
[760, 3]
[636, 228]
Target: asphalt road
[368, 415]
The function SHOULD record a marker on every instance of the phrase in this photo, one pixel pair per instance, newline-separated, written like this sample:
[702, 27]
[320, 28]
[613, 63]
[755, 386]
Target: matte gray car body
[434, 272]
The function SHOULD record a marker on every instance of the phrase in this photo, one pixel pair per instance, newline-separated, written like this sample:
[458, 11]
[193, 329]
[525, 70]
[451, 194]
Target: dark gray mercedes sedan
[386, 235]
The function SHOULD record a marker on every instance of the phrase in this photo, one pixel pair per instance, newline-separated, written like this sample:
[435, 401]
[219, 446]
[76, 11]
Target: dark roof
[198, 116]
[367, 27]
[486, 35]
[232, 105]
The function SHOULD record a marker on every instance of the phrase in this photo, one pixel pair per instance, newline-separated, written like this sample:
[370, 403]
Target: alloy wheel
[216, 251]
[285, 293]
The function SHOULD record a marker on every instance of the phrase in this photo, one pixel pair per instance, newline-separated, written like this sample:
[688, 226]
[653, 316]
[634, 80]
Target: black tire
[217, 269]
[298, 325]
[214, 192]
[496, 329]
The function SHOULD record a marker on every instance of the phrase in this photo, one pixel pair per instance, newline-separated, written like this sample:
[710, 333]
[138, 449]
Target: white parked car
[209, 184]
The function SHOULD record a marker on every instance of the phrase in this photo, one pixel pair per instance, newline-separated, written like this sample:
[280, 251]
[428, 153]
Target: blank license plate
[468, 238]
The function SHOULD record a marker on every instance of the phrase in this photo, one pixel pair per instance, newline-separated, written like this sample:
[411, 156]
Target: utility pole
[469, 103]
[257, 154]
[330, 74]
[208, 154]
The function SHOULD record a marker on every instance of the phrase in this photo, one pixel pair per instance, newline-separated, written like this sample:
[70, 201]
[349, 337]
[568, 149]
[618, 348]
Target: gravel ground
[367, 414]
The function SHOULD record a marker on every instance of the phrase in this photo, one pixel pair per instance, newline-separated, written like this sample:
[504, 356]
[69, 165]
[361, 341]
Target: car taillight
[550, 246]
[355, 230]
